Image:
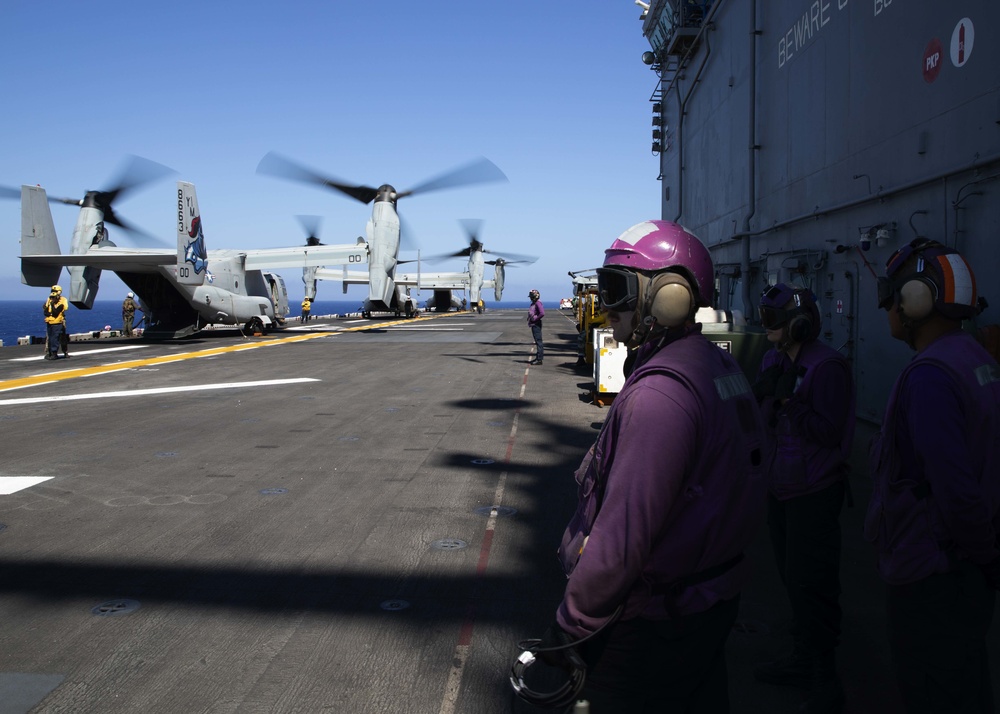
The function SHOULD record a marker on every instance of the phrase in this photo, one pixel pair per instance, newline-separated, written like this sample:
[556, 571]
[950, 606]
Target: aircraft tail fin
[192, 255]
[309, 281]
[38, 237]
[389, 292]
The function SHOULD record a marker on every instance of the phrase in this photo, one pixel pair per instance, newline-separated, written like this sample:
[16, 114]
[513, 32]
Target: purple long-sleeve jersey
[683, 491]
[814, 429]
[934, 445]
[936, 495]
[536, 311]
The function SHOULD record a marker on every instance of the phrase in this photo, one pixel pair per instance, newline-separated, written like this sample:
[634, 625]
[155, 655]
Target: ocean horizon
[23, 318]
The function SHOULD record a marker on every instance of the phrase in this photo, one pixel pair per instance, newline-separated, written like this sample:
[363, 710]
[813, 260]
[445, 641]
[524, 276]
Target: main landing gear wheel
[254, 326]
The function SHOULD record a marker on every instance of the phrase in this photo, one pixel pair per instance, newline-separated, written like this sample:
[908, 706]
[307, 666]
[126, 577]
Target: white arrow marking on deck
[12, 484]
[161, 390]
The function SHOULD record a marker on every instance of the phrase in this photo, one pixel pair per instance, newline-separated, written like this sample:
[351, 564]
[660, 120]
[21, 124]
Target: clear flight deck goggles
[618, 289]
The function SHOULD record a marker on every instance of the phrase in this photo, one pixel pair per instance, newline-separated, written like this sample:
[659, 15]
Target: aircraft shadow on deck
[546, 498]
[492, 404]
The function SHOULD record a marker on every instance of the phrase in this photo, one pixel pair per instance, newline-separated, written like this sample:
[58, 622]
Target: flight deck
[350, 516]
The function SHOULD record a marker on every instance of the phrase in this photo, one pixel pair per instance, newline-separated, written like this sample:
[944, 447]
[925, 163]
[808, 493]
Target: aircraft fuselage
[231, 295]
[383, 247]
[89, 231]
[475, 275]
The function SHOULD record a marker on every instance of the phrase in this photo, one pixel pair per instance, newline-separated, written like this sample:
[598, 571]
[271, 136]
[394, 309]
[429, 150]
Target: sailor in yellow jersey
[55, 322]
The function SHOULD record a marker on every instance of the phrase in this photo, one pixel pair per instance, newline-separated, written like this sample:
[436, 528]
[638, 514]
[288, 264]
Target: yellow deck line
[53, 377]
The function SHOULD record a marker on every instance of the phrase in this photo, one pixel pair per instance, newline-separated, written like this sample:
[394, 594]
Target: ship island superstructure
[806, 140]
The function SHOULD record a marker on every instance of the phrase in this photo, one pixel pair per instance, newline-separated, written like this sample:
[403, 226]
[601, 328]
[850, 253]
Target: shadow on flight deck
[517, 604]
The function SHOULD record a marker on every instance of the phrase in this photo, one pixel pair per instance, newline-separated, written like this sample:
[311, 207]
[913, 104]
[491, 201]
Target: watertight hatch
[500, 510]
[123, 606]
[448, 544]
[394, 605]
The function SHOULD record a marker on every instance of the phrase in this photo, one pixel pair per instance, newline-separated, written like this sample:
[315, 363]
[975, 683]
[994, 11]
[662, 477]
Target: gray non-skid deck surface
[323, 545]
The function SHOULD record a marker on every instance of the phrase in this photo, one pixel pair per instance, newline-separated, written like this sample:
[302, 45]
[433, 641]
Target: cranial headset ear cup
[800, 328]
[673, 300]
[916, 298]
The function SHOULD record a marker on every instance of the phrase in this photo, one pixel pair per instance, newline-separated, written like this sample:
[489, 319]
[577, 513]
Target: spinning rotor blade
[135, 172]
[472, 228]
[276, 165]
[407, 238]
[479, 171]
[464, 253]
[508, 263]
[511, 258]
[310, 224]
[138, 172]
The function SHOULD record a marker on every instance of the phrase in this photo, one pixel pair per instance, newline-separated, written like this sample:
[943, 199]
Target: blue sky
[394, 91]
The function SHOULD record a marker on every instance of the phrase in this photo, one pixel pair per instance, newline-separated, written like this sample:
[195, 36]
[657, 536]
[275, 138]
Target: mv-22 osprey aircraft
[386, 293]
[472, 279]
[443, 285]
[181, 291]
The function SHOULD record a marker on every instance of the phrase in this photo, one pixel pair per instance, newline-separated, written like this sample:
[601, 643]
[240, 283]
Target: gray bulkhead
[871, 122]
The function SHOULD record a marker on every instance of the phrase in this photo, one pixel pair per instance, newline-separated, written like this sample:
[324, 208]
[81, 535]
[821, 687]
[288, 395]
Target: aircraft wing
[407, 281]
[343, 275]
[440, 281]
[109, 258]
[306, 257]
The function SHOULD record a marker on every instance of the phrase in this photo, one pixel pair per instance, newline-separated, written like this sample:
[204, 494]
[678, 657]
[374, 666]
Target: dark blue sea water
[19, 318]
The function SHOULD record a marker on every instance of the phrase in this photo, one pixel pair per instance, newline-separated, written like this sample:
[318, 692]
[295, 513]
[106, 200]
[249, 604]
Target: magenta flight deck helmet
[942, 280]
[802, 318]
[660, 270]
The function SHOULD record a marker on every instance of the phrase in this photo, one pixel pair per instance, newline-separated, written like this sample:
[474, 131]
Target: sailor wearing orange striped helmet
[934, 514]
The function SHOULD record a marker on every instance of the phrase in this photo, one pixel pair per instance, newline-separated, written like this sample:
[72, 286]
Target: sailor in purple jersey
[669, 495]
[536, 311]
[934, 516]
[806, 394]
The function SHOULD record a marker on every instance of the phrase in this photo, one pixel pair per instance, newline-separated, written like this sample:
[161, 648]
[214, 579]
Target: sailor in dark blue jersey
[934, 516]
